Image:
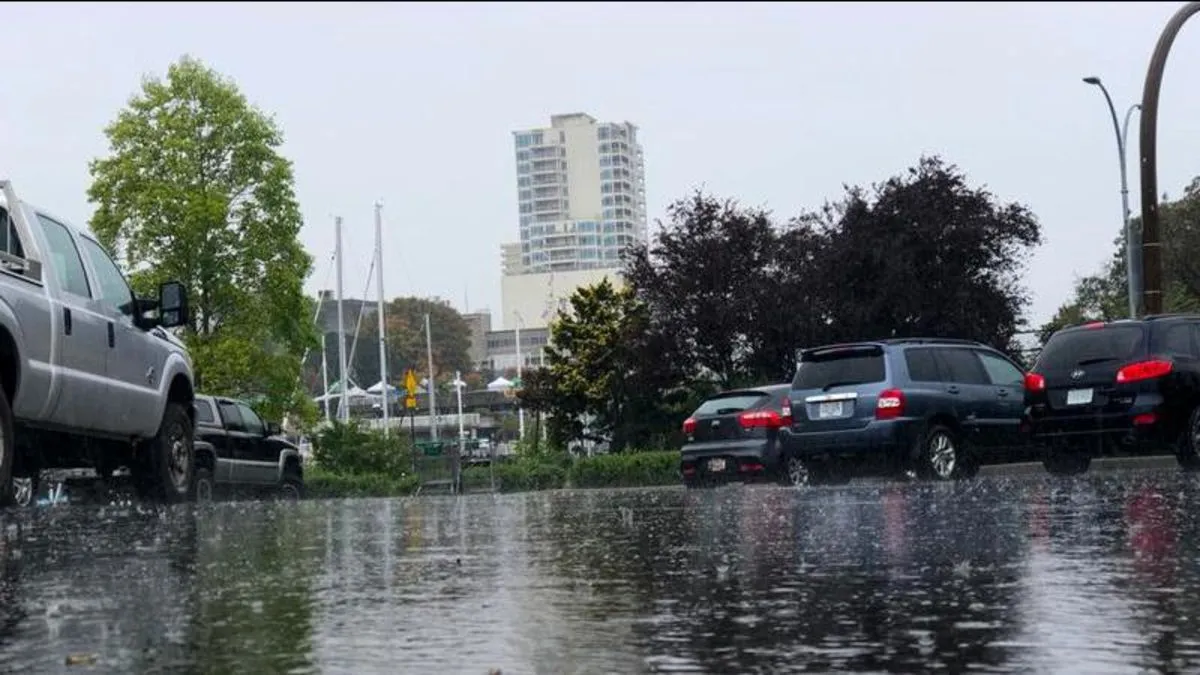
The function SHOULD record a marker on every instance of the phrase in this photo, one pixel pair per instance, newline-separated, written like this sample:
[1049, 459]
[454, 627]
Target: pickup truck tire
[167, 472]
[291, 488]
[8, 454]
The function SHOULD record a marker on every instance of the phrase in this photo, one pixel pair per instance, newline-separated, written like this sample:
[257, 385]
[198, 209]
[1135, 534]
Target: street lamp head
[1092, 80]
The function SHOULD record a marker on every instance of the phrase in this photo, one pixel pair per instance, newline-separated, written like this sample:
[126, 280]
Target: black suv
[734, 436]
[1104, 388]
[933, 406]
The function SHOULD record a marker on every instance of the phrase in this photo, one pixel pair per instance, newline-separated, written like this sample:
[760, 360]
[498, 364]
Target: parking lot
[1013, 571]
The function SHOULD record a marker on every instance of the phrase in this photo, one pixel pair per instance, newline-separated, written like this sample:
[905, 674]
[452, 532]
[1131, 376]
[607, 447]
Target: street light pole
[1133, 261]
[458, 387]
[520, 408]
[1148, 146]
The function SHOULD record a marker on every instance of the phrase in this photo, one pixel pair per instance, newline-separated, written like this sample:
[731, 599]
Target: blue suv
[936, 407]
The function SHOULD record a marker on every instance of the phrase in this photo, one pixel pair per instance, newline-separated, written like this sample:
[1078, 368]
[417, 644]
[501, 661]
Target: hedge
[629, 469]
[323, 484]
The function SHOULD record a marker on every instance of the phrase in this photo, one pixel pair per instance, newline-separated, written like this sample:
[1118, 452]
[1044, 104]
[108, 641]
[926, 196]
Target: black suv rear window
[1093, 345]
[841, 367]
[733, 402]
[204, 412]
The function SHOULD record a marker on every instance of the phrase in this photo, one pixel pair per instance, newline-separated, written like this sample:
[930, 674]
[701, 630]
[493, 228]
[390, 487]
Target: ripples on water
[1093, 576]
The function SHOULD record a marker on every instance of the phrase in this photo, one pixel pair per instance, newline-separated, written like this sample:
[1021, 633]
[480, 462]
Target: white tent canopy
[354, 393]
[377, 389]
[499, 384]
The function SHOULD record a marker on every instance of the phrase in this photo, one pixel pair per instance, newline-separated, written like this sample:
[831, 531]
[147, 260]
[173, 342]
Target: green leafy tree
[1103, 296]
[406, 345]
[926, 254]
[194, 189]
[607, 373]
[704, 275]
[538, 396]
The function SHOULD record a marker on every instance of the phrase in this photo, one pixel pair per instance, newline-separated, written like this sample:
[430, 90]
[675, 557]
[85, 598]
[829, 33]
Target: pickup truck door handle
[112, 337]
[952, 389]
[67, 320]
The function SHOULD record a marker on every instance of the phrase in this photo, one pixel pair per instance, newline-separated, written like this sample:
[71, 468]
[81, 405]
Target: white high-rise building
[580, 193]
[581, 198]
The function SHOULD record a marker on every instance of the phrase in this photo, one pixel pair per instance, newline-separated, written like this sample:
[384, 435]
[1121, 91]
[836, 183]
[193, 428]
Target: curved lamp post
[1151, 246]
[1133, 262]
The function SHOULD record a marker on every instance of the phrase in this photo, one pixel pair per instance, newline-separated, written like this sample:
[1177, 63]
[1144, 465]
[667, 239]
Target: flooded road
[1019, 574]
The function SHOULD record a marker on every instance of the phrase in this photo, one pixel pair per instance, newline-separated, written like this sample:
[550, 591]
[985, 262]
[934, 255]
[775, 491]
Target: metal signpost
[410, 402]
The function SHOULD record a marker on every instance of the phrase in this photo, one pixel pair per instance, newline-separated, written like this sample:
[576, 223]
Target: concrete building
[533, 300]
[502, 349]
[351, 309]
[510, 259]
[581, 200]
[479, 324]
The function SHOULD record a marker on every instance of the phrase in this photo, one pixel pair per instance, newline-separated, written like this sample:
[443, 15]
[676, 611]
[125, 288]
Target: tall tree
[703, 276]
[611, 381]
[1103, 296]
[925, 254]
[405, 326]
[194, 189]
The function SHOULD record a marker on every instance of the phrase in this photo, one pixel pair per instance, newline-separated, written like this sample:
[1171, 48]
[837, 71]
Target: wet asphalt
[1012, 572]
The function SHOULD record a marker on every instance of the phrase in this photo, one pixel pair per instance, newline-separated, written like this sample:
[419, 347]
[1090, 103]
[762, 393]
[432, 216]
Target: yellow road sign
[410, 383]
[410, 401]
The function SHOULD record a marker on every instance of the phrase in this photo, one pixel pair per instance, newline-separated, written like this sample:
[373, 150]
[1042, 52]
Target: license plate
[1079, 397]
[716, 464]
[828, 410]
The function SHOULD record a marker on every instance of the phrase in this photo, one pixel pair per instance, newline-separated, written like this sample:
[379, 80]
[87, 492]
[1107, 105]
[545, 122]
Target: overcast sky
[772, 104]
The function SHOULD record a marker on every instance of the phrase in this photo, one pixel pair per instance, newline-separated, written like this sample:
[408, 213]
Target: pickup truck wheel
[168, 470]
[7, 451]
[291, 488]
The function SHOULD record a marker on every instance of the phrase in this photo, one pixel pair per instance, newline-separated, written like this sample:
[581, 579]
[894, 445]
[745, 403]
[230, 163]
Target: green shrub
[518, 475]
[319, 482]
[627, 469]
[348, 448]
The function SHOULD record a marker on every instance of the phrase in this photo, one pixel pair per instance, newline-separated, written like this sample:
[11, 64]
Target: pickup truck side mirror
[273, 429]
[145, 313]
[172, 305]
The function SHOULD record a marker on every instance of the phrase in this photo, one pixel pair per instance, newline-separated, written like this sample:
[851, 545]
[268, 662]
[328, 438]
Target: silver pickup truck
[88, 376]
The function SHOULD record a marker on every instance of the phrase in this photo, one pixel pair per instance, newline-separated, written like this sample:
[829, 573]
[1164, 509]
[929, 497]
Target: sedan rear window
[1092, 345]
[825, 370]
[727, 404]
